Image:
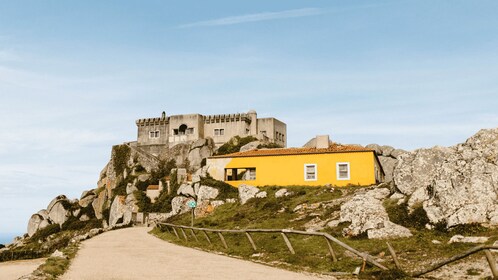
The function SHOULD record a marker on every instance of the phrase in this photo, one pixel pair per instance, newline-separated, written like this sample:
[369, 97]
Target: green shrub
[164, 169]
[45, 232]
[121, 154]
[106, 213]
[399, 214]
[225, 190]
[234, 144]
[143, 201]
[468, 229]
[269, 146]
[73, 223]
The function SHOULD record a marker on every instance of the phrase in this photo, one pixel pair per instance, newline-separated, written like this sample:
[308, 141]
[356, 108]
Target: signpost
[192, 204]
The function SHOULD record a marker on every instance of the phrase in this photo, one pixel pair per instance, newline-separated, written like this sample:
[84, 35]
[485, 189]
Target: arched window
[182, 129]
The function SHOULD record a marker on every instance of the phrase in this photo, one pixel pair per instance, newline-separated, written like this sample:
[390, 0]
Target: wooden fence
[179, 229]
[283, 232]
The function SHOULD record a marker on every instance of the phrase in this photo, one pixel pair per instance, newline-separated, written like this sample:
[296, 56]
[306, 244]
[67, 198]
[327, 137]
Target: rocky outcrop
[388, 157]
[250, 146]
[207, 193]
[120, 213]
[247, 192]
[282, 193]
[455, 185]
[367, 214]
[35, 223]
[200, 150]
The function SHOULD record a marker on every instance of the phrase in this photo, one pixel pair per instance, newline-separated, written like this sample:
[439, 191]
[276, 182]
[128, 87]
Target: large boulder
[250, 146]
[120, 213]
[58, 214]
[206, 193]
[388, 164]
[179, 205]
[87, 200]
[36, 222]
[247, 192]
[456, 185]
[200, 150]
[99, 204]
[186, 190]
[367, 214]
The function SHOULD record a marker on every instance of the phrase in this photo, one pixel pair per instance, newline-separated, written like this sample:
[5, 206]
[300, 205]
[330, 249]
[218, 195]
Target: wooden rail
[284, 232]
[491, 260]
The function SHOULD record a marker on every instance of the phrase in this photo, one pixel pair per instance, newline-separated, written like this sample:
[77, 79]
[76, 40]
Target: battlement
[153, 121]
[227, 118]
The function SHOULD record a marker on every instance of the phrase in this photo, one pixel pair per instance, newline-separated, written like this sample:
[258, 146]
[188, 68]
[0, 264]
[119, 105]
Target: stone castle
[166, 131]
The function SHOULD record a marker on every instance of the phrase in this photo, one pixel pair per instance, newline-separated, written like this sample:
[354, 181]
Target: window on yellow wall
[310, 172]
[343, 171]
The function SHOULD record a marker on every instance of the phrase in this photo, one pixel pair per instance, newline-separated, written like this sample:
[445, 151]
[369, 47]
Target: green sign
[192, 204]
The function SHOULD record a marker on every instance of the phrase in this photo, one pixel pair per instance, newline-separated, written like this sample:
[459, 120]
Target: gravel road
[132, 253]
[16, 269]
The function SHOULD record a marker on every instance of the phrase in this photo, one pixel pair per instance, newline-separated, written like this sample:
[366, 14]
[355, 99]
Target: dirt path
[134, 254]
[16, 269]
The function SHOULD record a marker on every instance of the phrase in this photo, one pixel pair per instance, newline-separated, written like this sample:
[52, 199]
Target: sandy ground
[132, 253]
[16, 269]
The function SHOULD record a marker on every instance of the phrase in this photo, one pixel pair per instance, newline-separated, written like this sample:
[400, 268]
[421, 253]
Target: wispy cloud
[256, 17]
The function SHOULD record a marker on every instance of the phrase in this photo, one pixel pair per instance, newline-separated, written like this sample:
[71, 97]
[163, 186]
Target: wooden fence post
[393, 254]
[207, 237]
[184, 234]
[492, 263]
[251, 241]
[193, 234]
[331, 250]
[223, 240]
[288, 243]
[176, 233]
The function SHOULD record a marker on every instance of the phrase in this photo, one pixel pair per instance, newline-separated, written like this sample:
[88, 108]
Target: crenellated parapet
[153, 121]
[227, 118]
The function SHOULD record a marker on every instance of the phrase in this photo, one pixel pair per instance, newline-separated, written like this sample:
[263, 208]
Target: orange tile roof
[333, 148]
[152, 187]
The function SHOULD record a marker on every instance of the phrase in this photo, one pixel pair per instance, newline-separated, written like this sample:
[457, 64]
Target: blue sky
[74, 75]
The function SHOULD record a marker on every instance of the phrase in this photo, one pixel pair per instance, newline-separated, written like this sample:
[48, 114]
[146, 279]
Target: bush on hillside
[225, 190]
[400, 215]
[43, 233]
[121, 154]
[269, 146]
[234, 144]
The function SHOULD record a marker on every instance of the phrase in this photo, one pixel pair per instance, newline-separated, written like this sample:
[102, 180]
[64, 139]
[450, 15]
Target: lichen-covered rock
[99, 204]
[261, 194]
[247, 192]
[87, 200]
[366, 213]
[388, 164]
[387, 230]
[456, 185]
[468, 239]
[200, 150]
[250, 146]
[207, 193]
[282, 193]
[376, 147]
[186, 190]
[58, 214]
[130, 188]
[118, 211]
[179, 205]
[34, 224]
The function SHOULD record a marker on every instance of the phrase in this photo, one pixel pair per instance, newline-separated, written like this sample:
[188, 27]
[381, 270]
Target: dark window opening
[240, 174]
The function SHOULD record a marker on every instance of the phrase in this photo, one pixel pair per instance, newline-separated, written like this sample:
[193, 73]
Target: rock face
[250, 146]
[367, 214]
[57, 213]
[206, 193]
[35, 223]
[199, 150]
[247, 192]
[120, 212]
[456, 185]
[388, 157]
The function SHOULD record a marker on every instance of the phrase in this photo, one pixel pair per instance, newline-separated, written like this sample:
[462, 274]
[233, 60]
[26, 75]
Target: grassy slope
[312, 254]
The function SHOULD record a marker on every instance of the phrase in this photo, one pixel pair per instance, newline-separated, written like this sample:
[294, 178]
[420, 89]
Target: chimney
[322, 141]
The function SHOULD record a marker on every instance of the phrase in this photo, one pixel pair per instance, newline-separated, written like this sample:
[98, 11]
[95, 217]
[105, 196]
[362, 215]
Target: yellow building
[337, 165]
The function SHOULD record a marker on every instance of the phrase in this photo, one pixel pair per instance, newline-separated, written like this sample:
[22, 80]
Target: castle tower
[254, 122]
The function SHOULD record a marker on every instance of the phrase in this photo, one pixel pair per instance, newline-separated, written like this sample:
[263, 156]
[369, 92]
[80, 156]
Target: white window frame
[338, 173]
[152, 134]
[305, 171]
